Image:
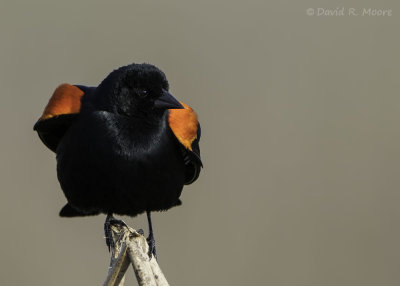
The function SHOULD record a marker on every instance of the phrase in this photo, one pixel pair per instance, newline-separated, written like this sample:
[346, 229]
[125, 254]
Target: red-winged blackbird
[124, 147]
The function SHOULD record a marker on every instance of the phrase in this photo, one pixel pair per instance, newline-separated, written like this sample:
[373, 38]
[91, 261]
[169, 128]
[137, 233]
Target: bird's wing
[186, 128]
[62, 109]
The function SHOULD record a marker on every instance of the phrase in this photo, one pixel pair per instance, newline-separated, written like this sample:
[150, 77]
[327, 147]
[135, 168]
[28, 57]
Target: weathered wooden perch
[131, 248]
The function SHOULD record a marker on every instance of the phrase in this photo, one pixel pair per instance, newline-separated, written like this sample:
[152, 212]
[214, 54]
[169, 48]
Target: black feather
[119, 154]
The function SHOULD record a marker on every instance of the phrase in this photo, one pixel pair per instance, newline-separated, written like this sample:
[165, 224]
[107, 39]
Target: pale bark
[131, 248]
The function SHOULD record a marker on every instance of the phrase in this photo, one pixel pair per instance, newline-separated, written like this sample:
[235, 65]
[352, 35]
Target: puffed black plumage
[124, 147]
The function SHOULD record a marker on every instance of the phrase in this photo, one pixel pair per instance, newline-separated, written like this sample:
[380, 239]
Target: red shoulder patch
[66, 99]
[183, 123]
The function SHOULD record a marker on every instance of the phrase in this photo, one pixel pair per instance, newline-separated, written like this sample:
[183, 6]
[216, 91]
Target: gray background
[300, 143]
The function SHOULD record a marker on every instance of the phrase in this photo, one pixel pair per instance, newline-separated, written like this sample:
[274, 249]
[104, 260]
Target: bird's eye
[143, 92]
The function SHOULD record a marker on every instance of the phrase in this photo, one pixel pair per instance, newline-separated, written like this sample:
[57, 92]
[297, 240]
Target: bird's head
[136, 90]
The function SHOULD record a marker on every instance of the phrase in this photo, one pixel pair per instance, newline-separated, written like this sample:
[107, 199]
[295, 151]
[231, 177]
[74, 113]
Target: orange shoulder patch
[66, 99]
[183, 123]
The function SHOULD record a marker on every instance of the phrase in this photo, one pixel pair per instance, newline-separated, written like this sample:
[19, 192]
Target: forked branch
[130, 247]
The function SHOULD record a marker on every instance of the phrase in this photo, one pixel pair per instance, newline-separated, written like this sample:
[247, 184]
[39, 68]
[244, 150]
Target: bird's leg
[150, 238]
[110, 220]
[107, 231]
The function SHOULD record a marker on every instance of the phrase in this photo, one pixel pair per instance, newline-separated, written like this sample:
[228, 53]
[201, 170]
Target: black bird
[124, 147]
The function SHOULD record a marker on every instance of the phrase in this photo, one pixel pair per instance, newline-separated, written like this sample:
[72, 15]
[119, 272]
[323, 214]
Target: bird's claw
[111, 220]
[152, 246]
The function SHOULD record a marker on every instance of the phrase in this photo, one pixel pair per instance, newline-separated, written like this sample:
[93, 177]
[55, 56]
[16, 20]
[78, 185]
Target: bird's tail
[69, 211]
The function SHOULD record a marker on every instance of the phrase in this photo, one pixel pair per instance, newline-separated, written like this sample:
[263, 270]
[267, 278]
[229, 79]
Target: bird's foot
[111, 220]
[152, 246]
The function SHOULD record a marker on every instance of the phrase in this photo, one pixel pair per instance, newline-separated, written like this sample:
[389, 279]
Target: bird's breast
[103, 158]
[103, 141]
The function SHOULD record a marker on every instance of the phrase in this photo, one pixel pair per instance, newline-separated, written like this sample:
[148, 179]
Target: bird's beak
[167, 101]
